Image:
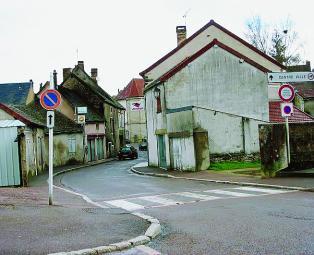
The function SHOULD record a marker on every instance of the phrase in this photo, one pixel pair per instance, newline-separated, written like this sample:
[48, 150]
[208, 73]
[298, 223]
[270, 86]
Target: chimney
[81, 64]
[66, 73]
[55, 80]
[181, 34]
[94, 73]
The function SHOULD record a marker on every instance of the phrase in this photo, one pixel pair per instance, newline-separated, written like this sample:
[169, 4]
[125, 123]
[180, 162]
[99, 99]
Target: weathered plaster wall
[62, 156]
[92, 128]
[5, 116]
[151, 128]
[135, 120]
[202, 40]
[218, 81]
[67, 109]
[228, 133]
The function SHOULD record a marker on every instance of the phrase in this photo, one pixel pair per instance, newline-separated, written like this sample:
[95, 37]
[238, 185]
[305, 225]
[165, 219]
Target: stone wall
[273, 147]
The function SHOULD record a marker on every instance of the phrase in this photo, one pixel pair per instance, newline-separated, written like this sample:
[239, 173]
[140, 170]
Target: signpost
[286, 94]
[50, 99]
[290, 77]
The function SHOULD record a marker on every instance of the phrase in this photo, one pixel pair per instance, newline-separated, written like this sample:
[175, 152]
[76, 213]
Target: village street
[202, 218]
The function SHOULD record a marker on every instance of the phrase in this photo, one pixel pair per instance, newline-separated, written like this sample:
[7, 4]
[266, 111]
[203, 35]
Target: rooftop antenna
[77, 54]
[185, 15]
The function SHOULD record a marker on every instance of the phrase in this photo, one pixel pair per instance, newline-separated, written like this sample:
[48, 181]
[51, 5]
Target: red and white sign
[50, 99]
[286, 92]
[286, 109]
[137, 106]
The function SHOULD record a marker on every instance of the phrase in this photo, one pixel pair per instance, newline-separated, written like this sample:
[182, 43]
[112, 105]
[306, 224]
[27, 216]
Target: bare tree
[280, 41]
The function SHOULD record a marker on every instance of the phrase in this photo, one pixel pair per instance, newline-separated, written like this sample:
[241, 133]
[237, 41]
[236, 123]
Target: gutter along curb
[226, 182]
[153, 230]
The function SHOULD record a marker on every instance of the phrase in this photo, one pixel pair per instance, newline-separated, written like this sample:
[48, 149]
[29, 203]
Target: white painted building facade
[207, 97]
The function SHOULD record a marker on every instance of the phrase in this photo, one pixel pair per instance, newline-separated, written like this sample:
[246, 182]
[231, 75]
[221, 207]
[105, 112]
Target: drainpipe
[243, 134]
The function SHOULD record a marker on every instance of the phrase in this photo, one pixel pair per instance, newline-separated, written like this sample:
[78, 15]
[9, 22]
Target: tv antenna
[185, 15]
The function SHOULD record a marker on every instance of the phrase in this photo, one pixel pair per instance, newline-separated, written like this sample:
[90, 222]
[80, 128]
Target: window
[97, 126]
[158, 102]
[72, 144]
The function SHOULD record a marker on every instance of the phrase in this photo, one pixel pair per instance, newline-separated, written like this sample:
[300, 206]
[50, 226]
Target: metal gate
[9, 157]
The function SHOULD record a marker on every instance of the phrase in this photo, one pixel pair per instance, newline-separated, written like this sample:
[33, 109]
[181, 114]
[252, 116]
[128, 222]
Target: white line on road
[148, 250]
[197, 196]
[269, 191]
[229, 193]
[159, 200]
[125, 205]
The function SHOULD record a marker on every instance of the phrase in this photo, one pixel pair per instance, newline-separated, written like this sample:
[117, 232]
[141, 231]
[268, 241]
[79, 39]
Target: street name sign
[50, 119]
[290, 77]
[50, 99]
[286, 93]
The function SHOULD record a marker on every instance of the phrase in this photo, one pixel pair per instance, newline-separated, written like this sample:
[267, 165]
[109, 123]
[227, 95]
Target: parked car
[143, 146]
[127, 152]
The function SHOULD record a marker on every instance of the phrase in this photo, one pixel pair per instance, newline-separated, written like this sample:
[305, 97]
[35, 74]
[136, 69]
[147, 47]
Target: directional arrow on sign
[50, 119]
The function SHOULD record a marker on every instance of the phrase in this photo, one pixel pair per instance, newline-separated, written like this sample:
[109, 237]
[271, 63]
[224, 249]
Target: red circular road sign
[50, 99]
[286, 93]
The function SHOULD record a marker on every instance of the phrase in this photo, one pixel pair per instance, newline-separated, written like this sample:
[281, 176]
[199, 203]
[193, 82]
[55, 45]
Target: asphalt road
[200, 217]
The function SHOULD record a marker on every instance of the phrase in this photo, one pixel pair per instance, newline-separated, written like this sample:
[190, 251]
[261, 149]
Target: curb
[153, 230]
[82, 166]
[225, 182]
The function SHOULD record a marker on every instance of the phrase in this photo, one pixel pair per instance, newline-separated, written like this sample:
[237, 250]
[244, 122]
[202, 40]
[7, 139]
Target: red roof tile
[305, 90]
[135, 88]
[297, 116]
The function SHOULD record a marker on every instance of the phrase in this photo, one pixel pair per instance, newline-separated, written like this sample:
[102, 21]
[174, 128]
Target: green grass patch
[231, 165]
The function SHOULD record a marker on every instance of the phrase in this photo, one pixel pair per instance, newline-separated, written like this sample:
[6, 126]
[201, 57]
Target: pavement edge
[152, 231]
[224, 181]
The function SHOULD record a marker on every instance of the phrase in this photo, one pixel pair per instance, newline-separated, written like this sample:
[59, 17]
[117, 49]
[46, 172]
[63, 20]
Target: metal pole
[51, 154]
[50, 165]
[288, 139]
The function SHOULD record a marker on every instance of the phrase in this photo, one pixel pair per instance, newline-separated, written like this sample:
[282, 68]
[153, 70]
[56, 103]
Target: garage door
[9, 157]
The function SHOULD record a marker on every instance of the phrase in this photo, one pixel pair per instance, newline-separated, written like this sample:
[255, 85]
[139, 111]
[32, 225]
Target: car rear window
[125, 149]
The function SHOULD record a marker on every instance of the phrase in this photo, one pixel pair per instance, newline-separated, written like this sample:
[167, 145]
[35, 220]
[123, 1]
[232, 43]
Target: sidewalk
[30, 226]
[299, 180]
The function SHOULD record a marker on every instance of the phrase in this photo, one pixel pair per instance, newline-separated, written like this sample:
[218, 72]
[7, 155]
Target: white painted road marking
[268, 191]
[229, 193]
[125, 205]
[159, 200]
[135, 203]
[197, 196]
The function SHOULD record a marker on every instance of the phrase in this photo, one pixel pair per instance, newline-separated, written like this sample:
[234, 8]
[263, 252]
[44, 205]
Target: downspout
[243, 134]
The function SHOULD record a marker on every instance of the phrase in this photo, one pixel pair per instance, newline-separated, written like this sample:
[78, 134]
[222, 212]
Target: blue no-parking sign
[50, 99]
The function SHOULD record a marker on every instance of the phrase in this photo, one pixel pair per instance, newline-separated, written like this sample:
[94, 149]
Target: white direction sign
[290, 77]
[50, 119]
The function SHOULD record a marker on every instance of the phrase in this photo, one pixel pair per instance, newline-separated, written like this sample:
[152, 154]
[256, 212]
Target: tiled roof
[90, 82]
[76, 101]
[297, 116]
[14, 93]
[135, 88]
[305, 90]
[34, 115]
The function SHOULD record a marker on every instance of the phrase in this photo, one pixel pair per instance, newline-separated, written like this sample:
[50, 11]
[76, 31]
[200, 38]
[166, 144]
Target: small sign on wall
[137, 106]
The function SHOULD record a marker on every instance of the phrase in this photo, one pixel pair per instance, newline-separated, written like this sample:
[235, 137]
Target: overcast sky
[121, 38]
